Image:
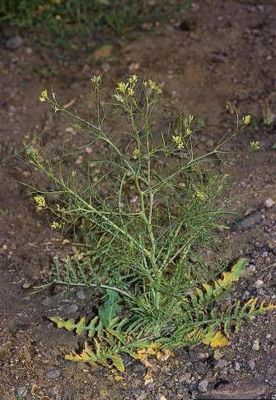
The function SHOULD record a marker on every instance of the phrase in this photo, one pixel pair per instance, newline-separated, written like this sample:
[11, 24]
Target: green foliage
[144, 225]
[66, 18]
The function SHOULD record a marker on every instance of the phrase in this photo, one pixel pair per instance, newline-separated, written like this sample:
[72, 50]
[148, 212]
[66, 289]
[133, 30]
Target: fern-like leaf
[214, 289]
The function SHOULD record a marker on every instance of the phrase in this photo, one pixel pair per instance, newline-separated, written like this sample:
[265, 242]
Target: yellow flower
[255, 145]
[122, 87]
[200, 195]
[178, 141]
[56, 225]
[96, 80]
[136, 154]
[153, 86]
[246, 119]
[40, 202]
[133, 79]
[119, 98]
[130, 91]
[43, 95]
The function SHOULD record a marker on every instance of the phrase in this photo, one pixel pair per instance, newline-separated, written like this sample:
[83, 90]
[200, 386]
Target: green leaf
[107, 311]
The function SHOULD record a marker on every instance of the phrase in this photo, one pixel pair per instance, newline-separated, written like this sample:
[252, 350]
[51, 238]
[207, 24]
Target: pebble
[47, 301]
[26, 285]
[259, 283]
[221, 364]
[252, 364]
[269, 203]
[237, 366]
[256, 345]
[248, 222]
[71, 309]
[52, 373]
[202, 386]
[251, 268]
[14, 42]
[81, 295]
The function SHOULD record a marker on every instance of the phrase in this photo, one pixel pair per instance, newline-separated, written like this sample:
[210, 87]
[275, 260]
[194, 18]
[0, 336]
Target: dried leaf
[215, 339]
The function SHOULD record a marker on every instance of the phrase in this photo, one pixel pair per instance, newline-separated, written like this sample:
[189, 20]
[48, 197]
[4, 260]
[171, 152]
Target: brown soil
[218, 52]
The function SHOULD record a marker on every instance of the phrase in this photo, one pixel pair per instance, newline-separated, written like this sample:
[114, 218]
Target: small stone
[47, 301]
[252, 364]
[221, 364]
[14, 42]
[269, 203]
[133, 67]
[103, 52]
[237, 366]
[52, 373]
[259, 283]
[256, 345]
[26, 285]
[185, 377]
[71, 309]
[251, 268]
[248, 222]
[202, 386]
[268, 336]
[81, 295]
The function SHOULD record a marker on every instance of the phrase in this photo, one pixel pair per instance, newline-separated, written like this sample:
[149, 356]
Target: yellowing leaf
[118, 362]
[216, 339]
[85, 356]
[68, 324]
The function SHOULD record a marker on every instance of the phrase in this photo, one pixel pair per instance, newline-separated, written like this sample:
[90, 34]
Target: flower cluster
[136, 154]
[96, 81]
[177, 139]
[153, 86]
[246, 119]
[255, 145]
[126, 89]
[40, 202]
[56, 225]
[43, 95]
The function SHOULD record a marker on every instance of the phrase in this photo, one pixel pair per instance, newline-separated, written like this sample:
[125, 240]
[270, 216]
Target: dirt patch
[218, 52]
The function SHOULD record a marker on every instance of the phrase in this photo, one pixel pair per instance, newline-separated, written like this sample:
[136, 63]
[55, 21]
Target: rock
[71, 309]
[243, 389]
[26, 285]
[52, 300]
[259, 283]
[248, 222]
[138, 368]
[14, 42]
[103, 52]
[142, 396]
[185, 377]
[269, 203]
[252, 364]
[81, 295]
[47, 301]
[256, 345]
[52, 373]
[251, 268]
[221, 364]
[237, 366]
[202, 386]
